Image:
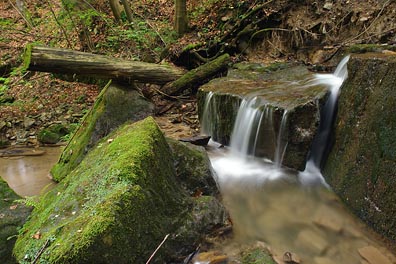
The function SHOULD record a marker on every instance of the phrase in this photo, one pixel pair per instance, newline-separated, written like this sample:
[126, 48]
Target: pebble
[211, 257]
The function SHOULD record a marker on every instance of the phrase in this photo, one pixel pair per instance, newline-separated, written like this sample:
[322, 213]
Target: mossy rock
[115, 105]
[361, 166]
[288, 88]
[193, 168]
[257, 256]
[52, 134]
[115, 207]
[12, 216]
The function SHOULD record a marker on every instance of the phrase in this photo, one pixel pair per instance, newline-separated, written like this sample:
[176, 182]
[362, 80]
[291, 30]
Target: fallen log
[196, 76]
[56, 60]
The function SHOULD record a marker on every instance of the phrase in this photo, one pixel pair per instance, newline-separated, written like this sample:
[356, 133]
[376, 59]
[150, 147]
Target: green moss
[27, 56]
[115, 207]
[115, 105]
[363, 48]
[76, 147]
[361, 165]
[193, 168]
[257, 256]
[13, 216]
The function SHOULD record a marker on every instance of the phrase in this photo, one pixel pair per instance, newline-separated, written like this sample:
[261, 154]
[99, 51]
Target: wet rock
[193, 168]
[361, 167]
[211, 257]
[12, 217]
[197, 140]
[117, 206]
[115, 105]
[311, 241]
[284, 89]
[257, 253]
[373, 255]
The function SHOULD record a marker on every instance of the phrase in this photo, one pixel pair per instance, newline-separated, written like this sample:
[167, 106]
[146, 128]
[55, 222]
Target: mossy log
[197, 76]
[56, 60]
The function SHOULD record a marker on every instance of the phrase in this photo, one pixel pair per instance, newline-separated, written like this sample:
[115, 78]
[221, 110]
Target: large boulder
[118, 204]
[12, 216]
[277, 89]
[115, 105]
[361, 167]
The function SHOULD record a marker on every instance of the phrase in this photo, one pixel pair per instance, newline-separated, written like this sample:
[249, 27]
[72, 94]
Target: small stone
[211, 257]
[28, 122]
[373, 255]
[292, 258]
[328, 6]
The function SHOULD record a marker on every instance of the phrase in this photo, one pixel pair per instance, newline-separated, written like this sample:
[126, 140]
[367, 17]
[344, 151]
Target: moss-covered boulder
[116, 206]
[115, 105]
[12, 216]
[281, 92]
[361, 167]
[193, 168]
[52, 134]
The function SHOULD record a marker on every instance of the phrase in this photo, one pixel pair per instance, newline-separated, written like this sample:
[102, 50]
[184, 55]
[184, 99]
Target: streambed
[275, 206]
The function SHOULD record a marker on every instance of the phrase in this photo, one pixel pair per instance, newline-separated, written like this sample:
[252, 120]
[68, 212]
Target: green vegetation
[13, 216]
[257, 256]
[122, 199]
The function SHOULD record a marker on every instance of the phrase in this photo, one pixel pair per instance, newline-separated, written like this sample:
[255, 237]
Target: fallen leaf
[37, 235]
[13, 207]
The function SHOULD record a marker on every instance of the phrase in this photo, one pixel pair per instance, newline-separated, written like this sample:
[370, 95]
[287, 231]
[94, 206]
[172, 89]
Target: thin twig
[159, 246]
[22, 15]
[59, 24]
[40, 252]
[366, 29]
[173, 97]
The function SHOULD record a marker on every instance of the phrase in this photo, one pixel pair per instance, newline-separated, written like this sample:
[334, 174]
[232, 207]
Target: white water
[334, 81]
[289, 211]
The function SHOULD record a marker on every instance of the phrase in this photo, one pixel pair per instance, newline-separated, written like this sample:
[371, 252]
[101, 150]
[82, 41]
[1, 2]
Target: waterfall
[257, 121]
[320, 144]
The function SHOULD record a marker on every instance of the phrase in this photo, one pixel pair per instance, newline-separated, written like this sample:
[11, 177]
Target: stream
[294, 213]
[29, 175]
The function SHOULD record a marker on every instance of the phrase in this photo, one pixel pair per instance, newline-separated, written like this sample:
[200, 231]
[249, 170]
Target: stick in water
[155, 251]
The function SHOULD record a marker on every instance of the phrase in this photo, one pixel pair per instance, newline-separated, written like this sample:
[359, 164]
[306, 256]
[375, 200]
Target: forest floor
[30, 101]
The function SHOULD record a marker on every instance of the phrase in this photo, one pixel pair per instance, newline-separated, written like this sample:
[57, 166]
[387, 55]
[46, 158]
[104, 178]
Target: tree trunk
[197, 76]
[128, 10]
[116, 8]
[46, 59]
[180, 17]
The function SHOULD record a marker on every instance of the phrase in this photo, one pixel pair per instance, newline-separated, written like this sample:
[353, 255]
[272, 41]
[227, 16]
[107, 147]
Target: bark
[180, 17]
[128, 10]
[46, 59]
[116, 8]
[197, 76]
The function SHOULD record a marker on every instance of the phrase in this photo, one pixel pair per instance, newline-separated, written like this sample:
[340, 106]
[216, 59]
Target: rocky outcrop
[281, 92]
[12, 216]
[120, 202]
[115, 105]
[361, 167]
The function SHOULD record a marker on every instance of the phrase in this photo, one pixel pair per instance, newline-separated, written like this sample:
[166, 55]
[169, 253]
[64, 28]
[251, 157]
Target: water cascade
[281, 207]
[320, 144]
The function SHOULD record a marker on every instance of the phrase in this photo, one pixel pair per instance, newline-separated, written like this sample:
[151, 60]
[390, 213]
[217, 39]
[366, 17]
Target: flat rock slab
[291, 89]
[373, 255]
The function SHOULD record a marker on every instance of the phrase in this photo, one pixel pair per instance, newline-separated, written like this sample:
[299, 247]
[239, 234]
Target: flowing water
[29, 175]
[288, 210]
